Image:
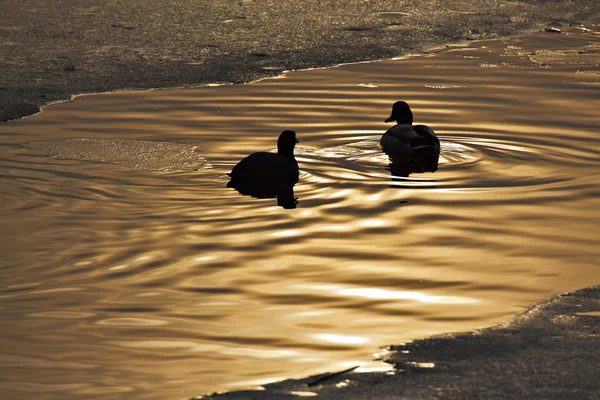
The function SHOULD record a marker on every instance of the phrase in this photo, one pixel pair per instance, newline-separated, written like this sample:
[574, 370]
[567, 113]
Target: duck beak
[297, 141]
[390, 119]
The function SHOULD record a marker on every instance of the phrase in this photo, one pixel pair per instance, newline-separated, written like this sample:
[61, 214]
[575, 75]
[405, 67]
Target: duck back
[425, 137]
[401, 132]
[426, 148]
[264, 174]
[396, 142]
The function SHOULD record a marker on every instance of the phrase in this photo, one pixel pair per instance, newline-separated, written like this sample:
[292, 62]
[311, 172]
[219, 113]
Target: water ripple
[131, 246]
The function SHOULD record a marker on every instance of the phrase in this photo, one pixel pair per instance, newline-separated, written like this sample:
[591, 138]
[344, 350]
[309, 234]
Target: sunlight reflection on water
[375, 293]
[201, 289]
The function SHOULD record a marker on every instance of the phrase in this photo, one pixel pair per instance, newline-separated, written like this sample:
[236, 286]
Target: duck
[415, 147]
[265, 174]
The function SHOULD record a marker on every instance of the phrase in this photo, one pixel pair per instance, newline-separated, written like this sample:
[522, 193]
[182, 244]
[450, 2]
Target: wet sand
[50, 51]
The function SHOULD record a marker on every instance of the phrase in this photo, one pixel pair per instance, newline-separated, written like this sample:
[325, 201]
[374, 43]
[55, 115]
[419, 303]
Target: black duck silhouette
[268, 175]
[411, 148]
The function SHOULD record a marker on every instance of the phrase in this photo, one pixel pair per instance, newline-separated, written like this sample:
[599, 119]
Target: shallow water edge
[550, 352]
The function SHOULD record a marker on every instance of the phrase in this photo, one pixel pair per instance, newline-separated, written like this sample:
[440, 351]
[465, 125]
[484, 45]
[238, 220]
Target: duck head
[286, 142]
[401, 113]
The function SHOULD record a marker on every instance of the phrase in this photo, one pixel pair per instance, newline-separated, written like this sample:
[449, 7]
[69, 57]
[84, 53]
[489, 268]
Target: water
[131, 271]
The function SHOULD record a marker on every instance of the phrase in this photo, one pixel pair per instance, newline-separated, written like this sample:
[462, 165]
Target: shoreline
[225, 44]
[544, 352]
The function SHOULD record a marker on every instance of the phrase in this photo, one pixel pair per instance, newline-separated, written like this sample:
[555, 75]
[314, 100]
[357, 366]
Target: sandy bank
[52, 50]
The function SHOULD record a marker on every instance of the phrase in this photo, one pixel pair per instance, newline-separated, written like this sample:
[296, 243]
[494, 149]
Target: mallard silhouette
[266, 175]
[412, 147]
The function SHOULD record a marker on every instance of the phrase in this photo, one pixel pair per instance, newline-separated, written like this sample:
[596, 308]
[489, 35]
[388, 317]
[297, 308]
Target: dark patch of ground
[50, 51]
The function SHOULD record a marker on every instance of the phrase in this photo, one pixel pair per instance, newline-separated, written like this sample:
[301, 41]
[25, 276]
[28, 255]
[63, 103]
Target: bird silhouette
[268, 175]
[411, 148]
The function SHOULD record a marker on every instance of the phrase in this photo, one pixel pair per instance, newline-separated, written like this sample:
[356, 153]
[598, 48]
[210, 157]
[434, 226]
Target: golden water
[131, 271]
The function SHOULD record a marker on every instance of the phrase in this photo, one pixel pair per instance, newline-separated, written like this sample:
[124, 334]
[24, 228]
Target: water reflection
[268, 175]
[419, 162]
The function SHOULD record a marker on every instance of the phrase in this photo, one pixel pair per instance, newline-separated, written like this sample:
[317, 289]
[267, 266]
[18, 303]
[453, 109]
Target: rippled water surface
[131, 271]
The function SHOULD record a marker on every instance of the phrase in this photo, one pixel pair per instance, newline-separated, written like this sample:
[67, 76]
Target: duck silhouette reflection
[411, 148]
[269, 175]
